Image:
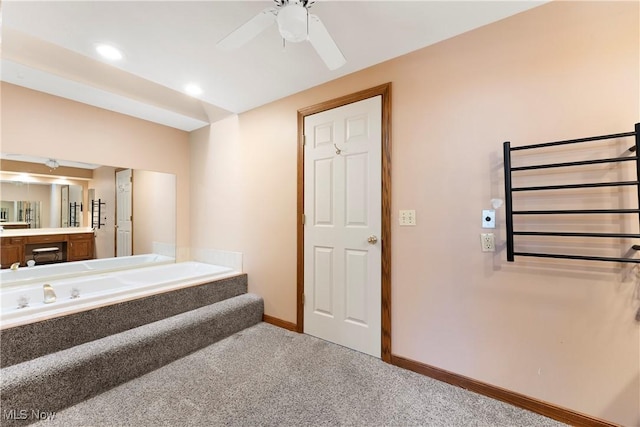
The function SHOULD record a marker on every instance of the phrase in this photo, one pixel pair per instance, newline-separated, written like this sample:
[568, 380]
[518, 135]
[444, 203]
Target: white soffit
[42, 160]
[50, 83]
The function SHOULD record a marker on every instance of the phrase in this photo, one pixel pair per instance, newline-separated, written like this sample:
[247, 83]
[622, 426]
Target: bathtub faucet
[49, 294]
[15, 266]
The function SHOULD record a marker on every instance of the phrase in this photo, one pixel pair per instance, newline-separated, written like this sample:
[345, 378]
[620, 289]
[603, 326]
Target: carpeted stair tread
[61, 379]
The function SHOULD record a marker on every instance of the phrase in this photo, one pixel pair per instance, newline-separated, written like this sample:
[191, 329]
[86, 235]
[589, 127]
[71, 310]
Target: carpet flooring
[267, 376]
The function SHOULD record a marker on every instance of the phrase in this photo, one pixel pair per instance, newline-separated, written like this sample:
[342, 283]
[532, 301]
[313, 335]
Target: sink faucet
[49, 294]
[15, 266]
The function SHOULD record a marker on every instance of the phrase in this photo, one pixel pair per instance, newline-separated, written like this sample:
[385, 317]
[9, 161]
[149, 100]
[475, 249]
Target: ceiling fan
[295, 24]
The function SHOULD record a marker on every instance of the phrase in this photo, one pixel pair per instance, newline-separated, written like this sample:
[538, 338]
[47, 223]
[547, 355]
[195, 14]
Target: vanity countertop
[23, 232]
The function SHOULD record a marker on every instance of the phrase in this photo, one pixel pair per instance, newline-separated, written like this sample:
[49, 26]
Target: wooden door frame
[384, 91]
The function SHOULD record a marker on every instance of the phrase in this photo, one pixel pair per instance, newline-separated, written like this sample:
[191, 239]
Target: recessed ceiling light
[193, 89]
[109, 52]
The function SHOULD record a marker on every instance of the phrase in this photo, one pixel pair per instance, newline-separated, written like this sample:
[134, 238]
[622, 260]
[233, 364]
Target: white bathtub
[102, 289]
[49, 272]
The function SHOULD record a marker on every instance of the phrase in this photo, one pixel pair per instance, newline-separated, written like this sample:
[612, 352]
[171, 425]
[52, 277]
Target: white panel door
[64, 206]
[343, 219]
[124, 212]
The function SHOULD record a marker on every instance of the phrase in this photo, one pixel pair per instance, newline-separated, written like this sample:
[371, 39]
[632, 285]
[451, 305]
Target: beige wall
[154, 210]
[563, 332]
[103, 183]
[35, 123]
[11, 191]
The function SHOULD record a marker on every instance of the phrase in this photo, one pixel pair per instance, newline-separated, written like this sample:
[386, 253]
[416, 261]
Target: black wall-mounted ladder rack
[96, 213]
[74, 216]
[509, 190]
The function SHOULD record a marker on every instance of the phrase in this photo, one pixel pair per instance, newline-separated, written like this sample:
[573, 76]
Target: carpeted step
[27, 342]
[58, 380]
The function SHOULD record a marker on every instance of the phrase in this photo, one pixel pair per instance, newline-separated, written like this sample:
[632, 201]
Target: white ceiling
[49, 46]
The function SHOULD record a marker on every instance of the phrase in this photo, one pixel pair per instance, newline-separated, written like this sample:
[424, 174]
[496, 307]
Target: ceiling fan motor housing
[293, 19]
[295, 25]
[305, 3]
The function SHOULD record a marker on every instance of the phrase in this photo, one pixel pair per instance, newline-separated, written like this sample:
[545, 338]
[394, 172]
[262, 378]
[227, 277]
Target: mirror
[40, 204]
[82, 195]
[71, 205]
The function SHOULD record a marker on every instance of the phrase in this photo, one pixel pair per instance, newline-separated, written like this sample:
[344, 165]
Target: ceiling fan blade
[249, 29]
[322, 42]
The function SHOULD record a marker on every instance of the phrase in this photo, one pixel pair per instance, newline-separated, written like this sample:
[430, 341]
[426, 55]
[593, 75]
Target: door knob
[372, 239]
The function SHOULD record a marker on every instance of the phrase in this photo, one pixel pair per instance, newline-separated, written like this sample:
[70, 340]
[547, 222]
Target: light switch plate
[488, 218]
[407, 217]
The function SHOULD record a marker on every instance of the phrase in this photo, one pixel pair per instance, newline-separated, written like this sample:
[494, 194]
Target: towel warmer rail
[96, 213]
[509, 190]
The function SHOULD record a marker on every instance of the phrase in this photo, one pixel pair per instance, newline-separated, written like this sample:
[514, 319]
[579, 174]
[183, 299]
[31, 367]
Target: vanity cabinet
[76, 246]
[12, 250]
[80, 247]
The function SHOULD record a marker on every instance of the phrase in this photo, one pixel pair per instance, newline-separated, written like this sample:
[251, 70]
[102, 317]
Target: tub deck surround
[98, 290]
[218, 257]
[32, 340]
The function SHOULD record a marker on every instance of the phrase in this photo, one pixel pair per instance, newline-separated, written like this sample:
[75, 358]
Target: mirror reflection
[40, 205]
[128, 211]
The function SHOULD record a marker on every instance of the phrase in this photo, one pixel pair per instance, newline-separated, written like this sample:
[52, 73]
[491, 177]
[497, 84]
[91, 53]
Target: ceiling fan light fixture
[52, 164]
[293, 22]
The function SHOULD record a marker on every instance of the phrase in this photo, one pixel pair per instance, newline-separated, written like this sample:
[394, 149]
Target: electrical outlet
[407, 217]
[488, 242]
